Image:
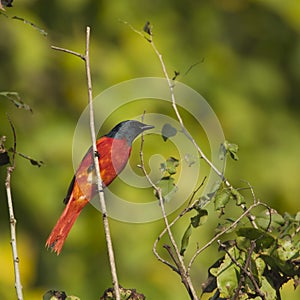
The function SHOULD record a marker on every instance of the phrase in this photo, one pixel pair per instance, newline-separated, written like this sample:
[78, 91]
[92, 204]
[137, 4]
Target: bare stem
[12, 220]
[174, 105]
[184, 211]
[69, 52]
[97, 169]
[86, 58]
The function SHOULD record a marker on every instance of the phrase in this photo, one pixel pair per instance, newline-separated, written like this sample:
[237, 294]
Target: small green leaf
[237, 196]
[126, 294]
[262, 238]
[287, 248]
[190, 159]
[211, 283]
[168, 131]
[233, 149]
[171, 164]
[243, 243]
[185, 239]
[37, 163]
[228, 274]
[222, 198]
[228, 148]
[54, 295]
[268, 289]
[167, 186]
[269, 219]
[148, 28]
[222, 151]
[200, 218]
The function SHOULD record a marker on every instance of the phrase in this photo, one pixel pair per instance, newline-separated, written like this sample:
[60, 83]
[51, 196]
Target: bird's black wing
[70, 189]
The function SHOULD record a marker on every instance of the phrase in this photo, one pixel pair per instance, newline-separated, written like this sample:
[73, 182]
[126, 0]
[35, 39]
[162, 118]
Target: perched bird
[113, 153]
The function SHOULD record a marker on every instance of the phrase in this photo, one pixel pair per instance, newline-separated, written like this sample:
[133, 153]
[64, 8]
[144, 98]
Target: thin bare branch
[12, 220]
[184, 211]
[97, 169]
[86, 58]
[83, 57]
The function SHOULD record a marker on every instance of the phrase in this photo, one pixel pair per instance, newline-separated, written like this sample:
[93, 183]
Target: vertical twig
[97, 169]
[111, 257]
[174, 105]
[12, 220]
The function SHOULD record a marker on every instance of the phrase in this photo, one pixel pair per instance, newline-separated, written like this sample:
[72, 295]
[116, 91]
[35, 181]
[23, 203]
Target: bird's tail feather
[63, 226]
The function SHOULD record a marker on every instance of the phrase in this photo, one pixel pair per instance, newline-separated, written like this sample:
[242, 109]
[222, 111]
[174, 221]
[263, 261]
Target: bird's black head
[129, 129]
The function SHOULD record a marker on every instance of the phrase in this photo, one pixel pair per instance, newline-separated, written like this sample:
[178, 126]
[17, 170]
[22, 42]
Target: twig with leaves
[86, 58]
[244, 270]
[231, 192]
[179, 267]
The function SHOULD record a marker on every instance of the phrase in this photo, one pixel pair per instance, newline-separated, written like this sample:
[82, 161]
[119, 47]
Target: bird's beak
[147, 127]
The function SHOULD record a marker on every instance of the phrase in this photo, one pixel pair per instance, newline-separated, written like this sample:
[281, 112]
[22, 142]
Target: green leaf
[263, 239]
[168, 131]
[190, 159]
[171, 164]
[211, 283]
[185, 239]
[228, 274]
[287, 249]
[221, 199]
[268, 289]
[148, 28]
[222, 151]
[233, 149]
[269, 219]
[237, 196]
[260, 266]
[126, 294]
[200, 218]
[167, 186]
[228, 148]
[243, 243]
[55, 295]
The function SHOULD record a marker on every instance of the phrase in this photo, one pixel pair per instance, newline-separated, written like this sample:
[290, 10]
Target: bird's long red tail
[63, 226]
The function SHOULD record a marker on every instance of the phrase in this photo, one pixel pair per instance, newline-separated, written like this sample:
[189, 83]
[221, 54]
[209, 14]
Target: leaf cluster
[259, 260]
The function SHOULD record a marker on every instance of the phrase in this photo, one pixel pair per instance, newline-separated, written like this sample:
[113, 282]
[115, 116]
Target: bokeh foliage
[247, 56]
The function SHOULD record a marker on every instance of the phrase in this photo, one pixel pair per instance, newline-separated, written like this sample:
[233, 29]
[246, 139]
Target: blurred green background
[249, 71]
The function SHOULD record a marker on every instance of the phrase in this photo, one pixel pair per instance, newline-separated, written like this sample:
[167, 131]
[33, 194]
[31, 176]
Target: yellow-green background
[249, 72]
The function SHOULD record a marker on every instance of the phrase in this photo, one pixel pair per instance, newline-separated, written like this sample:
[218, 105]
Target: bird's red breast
[113, 156]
